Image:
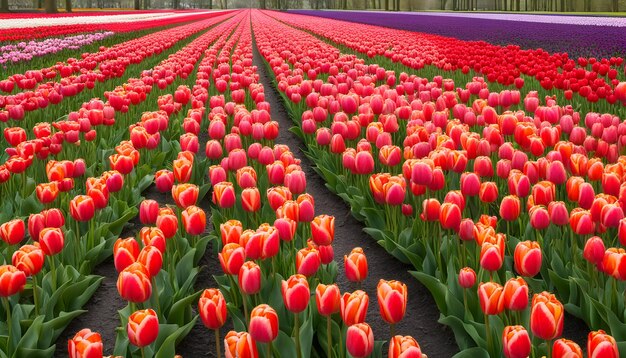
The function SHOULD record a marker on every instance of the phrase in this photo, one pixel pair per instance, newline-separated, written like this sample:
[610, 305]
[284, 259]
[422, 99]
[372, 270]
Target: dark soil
[421, 317]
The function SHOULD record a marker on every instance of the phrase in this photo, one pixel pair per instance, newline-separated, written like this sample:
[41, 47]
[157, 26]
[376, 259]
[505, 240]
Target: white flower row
[76, 20]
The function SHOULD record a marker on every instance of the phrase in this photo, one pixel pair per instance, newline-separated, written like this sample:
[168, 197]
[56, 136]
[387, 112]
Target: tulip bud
[515, 294]
[143, 327]
[600, 344]
[564, 348]
[82, 208]
[12, 280]
[323, 229]
[263, 324]
[85, 344]
[186, 195]
[152, 259]
[546, 316]
[355, 265]
[148, 212]
[515, 342]
[354, 307]
[250, 278]
[212, 308]
[490, 295]
[328, 299]
[594, 250]
[308, 261]
[51, 240]
[167, 222]
[240, 344]
[296, 293]
[12, 232]
[450, 216]
[467, 277]
[510, 208]
[527, 258]
[164, 180]
[194, 220]
[360, 340]
[392, 298]
[133, 283]
[125, 252]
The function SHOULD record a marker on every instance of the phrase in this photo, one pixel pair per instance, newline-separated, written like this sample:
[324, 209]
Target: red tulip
[581, 222]
[12, 232]
[85, 344]
[328, 299]
[167, 222]
[360, 340]
[404, 347]
[354, 307]
[125, 253]
[564, 348]
[430, 210]
[515, 342]
[212, 308]
[47, 192]
[355, 265]
[12, 280]
[515, 294]
[308, 261]
[263, 324]
[29, 259]
[82, 208]
[601, 345]
[491, 256]
[539, 217]
[488, 192]
[470, 184]
[490, 295]
[510, 208]
[594, 250]
[250, 278]
[392, 298]
[323, 229]
[467, 277]
[450, 216]
[558, 213]
[614, 263]
[546, 316]
[527, 258]
[148, 212]
[185, 195]
[240, 345]
[296, 293]
[143, 327]
[154, 237]
[224, 195]
[51, 241]
[133, 283]
[194, 220]
[152, 259]
[251, 199]
[232, 258]
[164, 180]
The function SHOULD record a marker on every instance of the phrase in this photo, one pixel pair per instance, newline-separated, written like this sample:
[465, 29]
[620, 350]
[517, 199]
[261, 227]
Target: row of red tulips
[593, 79]
[431, 143]
[105, 214]
[98, 67]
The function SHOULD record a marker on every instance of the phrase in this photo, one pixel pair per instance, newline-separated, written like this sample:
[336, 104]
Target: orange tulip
[263, 324]
[240, 345]
[355, 265]
[12, 232]
[392, 298]
[516, 294]
[224, 194]
[12, 280]
[85, 344]
[143, 327]
[212, 308]
[29, 259]
[360, 340]
[354, 307]
[404, 347]
[152, 259]
[125, 252]
[82, 208]
[491, 298]
[154, 237]
[251, 199]
[185, 195]
[308, 261]
[47, 192]
[515, 342]
[546, 316]
[564, 348]
[323, 229]
[601, 345]
[527, 258]
[232, 258]
[51, 240]
[328, 299]
[133, 283]
[194, 220]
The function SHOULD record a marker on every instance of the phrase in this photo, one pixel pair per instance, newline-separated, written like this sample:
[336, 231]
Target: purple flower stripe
[26, 51]
[586, 36]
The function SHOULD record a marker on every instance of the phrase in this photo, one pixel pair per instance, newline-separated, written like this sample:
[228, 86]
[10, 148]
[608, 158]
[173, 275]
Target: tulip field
[160, 199]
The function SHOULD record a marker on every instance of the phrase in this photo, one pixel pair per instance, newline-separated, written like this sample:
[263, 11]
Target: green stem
[217, 343]
[465, 301]
[245, 306]
[329, 333]
[488, 333]
[35, 295]
[155, 290]
[549, 348]
[392, 330]
[269, 349]
[143, 353]
[53, 272]
[7, 308]
[297, 327]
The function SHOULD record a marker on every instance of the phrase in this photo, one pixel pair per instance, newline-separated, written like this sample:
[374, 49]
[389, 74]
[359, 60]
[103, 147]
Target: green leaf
[177, 312]
[168, 348]
[285, 345]
[475, 352]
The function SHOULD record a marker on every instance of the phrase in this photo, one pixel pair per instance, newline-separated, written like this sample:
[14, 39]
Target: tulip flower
[308, 261]
[355, 265]
[82, 208]
[224, 195]
[12, 232]
[194, 220]
[47, 192]
[404, 347]
[185, 195]
[154, 237]
[51, 241]
[594, 250]
[564, 348]
[251, 200]
[240, 344]
[125, 253]
[164, 180]
[510, 208]
[360, 340]
[515, 294]
[142, 328]
[323, 229]
[29, 259]
[249, 278]
[263, 324]
[546, 316]
[85, 344]
[467, 277]
[601, 345]
[152, 259]
[491, 256]
[12, 280]
[148, 212]
[614, 263]
[296, 293]
[133, 283]
[527, 258]
[354, 307]
[232, 258]
[450, 216]
[515, 342]
[392, 298]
